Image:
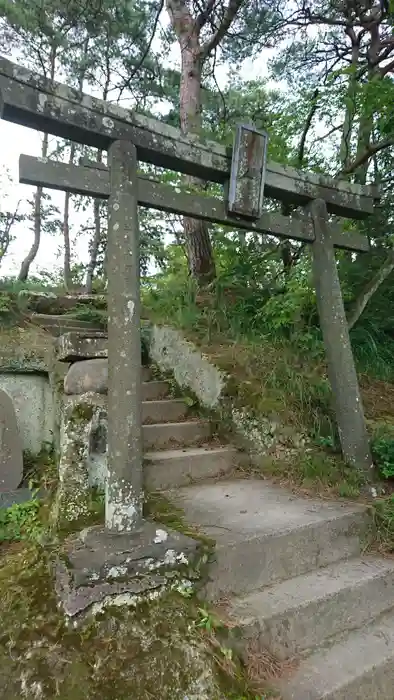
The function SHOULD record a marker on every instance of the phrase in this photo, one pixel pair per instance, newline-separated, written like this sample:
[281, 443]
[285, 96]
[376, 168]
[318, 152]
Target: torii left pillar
[124, 487]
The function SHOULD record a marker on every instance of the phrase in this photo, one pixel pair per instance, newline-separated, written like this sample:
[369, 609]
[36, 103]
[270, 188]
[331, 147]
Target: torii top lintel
[30, 99]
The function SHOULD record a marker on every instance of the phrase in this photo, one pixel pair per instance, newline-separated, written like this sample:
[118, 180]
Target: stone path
[291, 570]
[295, 582]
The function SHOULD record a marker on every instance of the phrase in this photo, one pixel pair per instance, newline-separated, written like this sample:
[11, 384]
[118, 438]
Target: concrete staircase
[292, 579]
[180, 448]
[289, 572]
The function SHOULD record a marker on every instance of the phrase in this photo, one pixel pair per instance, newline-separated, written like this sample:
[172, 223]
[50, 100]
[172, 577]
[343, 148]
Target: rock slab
[15, 497]
[87, 376]
[11, 453]
[98, 566]
[72, 347]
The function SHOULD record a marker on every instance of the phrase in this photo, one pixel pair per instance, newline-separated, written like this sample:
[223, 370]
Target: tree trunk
[67, 281]
[66, 233]
[95, 242]
[350, 103]
[197, 238]
[367, 118]
[30, 257]
[94, 248]
[370, 288]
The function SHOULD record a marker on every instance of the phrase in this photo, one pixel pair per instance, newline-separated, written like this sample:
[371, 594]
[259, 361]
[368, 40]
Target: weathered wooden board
[95, 182]
[247, 176]
[33, 101]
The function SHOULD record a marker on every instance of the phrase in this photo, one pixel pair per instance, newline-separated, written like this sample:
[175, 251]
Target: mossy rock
[154, 650]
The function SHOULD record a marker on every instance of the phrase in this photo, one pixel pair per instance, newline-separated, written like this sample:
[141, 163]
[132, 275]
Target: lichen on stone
[72, 503]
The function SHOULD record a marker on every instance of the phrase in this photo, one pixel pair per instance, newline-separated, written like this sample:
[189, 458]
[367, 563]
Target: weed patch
[21, 522]
[317, 472]
[382, 532]
[158, 508]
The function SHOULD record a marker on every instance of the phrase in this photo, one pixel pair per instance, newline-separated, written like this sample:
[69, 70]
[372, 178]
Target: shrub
[21, 522]
[383, 454]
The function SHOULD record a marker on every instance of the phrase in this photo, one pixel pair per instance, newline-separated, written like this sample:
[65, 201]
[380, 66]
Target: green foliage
[382, 535]
[382, 446]
[21, 522]
[87, 312]
[208, 621]
[319, 472]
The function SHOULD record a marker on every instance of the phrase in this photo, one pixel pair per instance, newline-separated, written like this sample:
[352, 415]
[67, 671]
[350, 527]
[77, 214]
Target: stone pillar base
[99, 569]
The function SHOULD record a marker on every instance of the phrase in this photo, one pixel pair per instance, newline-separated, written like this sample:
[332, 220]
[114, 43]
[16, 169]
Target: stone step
[17, 497]
[302, 613]
[146, 375]
[169, 468]
[265, 534]
[163, 411]
[58, 325]
[151, 391]
[359, 667]
[185, 433]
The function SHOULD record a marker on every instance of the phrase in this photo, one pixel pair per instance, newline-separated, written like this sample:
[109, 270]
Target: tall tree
[10, 216]
[344, 49]
[200, 28]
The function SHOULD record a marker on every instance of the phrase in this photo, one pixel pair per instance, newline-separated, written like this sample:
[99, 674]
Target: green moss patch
[158, 508]
[157, 649]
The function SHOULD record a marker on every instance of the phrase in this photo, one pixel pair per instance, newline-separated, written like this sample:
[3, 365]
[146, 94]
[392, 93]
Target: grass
[268, 373]
[318, 473]
[382, 529]
[282, 377]
[21, 522]
[159, 509]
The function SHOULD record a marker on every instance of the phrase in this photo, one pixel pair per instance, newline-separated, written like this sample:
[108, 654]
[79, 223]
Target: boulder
[87, 376]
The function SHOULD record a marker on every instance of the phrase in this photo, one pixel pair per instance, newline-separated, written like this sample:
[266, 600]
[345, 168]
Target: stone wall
[171, 352]
[25, 368]
[265, 437]
[33, 403]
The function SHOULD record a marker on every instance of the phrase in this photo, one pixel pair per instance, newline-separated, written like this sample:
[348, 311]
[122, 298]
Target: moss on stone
[24, 349]
[153, 650]
[158, 508]
[81, 412]
[41, 469]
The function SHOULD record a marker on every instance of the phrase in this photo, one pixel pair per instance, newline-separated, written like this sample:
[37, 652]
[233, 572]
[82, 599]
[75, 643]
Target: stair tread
[363, 661]
[187, 452]
[311, 587]
[165, 401]
[174, 424]
[239, 509]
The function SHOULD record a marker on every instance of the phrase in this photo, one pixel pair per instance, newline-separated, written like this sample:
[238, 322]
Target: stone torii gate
[33, 101]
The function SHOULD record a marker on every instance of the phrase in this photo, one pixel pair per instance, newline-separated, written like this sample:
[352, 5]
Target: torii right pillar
[341, 368]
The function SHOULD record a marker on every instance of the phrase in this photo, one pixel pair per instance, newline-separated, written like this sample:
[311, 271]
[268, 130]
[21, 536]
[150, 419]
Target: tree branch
[205, 14]
[370, 289]
[308, 124]
[181, 19]
[214, 41]
[149, 44]
[372, 149]
[387, 69]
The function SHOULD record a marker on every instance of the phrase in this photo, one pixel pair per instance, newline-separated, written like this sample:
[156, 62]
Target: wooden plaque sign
[246, 190]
